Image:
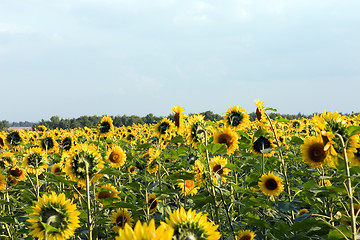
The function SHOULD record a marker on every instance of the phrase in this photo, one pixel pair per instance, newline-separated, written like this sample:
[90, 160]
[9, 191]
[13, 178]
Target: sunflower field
[185, 179]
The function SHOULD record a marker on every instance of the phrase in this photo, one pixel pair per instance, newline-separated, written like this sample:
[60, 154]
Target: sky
[70, 58]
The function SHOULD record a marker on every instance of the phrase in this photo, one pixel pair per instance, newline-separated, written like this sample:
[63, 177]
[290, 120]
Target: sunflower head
[260, 111]
[236, 118]
[121, 217]
[228, 137]
[106, 126]
[178, 118]
[218, 169]
[188, 187]
[245, 235]
[18, 173]
[164, 129]
[196, 130]
[7, 159]
[106, 191]
[116, 156]
[271, 184]
[15, 139]
[262, 145]
[2, 141]
[68, 142]
[313, 152]
[34, 160]
[49, 144]
[152, 202]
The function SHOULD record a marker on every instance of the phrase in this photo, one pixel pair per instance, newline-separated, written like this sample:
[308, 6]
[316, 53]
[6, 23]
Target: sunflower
[260, 111]
[218, 170]
[68, 142]
[17, 173]
[199, 173]
[82, 156]
[313, 153]
[145, 232]
[133, 170]
[196, 130]
[262, 145]
[188, 187]
[354, 158]
[34, 160]
[14, 139]
[107, 191]
[246, 235]
[2, 182]
[164, 129]
[178, 117]
[121, 217]
[150, 156]
[106, 127]
[302, 212]
[152, 202]
[324, 182]
[7, 159]
[57, 168]
[41, 128]
[271, 184]
[48, 144]
[236, 118]
[192, 225]
[116, 156]
[56, 211]
[2, 141]
[229, 137]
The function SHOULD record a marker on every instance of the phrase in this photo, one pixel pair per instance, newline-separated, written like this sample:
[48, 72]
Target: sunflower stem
[349, 188]
[88, 200]
[227, 212]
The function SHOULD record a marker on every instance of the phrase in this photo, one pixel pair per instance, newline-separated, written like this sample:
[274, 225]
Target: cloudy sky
[94, 57]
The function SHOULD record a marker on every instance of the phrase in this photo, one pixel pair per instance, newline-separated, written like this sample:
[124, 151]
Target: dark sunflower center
[177, 119]
[258, 114]
[57, 169]
[2, 143]
[271, 184]
[317, 153]
[246, 237]
[218, 169]
[105, 194]
[153, 203]
[105, 127]
[114, 157]
[296, 124]
[11, 181]
[47, 143]
[357, 154]
[260, 144]
[66, 143]
[121, 220]
[235, 118]
[130, 137]
[17, 172]
[224, 138]
[34, 160]
[163, 127]
[14, 138]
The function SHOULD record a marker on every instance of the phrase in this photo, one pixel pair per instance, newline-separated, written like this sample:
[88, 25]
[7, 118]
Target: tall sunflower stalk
[88, 200]
[349, 188]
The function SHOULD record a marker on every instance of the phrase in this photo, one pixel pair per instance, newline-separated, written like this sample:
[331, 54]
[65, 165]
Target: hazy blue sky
[93, 57]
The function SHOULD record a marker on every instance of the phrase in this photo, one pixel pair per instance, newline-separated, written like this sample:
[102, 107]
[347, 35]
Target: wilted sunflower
[83, 155]
[56, 211]
[2, 182]
[271, 184]
[145, 232]
[192, 225]
[106, 191]
[7, 159]
[116, 156]
[188, 187]
[121, 217]
[236, 118]
[313, 153]
[49, 144]
[178, 117]
[229, 137]
[218, 169]
[164, 129]
[196, 130]
[106, 127]
[245, 235]
[34, 160]
[262, 145]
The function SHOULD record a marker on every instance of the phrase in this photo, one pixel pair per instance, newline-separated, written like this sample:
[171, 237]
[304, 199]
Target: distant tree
[4, 125]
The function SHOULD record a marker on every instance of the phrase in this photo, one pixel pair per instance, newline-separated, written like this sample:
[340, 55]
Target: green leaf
[336, 235]
[59, 178]
[177, 139]
[201, 200]
[181, 175]
[296, 140]
[219, 148]
[271, 109]
[260, 132]
[353, 130]
[7, 219]
[281, 119]
[49, 229]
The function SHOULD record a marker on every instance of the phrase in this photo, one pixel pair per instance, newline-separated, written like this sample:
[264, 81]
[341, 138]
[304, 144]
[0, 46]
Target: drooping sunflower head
[49, 144]
[56, 211]
[116, 156]
[236, 118]
[262, 145]
[164, 128]
[196, 130]
[218, 169]
[188, 187]
[145, 232]
[245, 235]
[121, 217]
[192, 225]
[106, 126]
[313, 153]
[7, 159]
[84, 157]
[34, 160]
[271, 184]
[228, 137]
[106, 191]
[178, 118]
